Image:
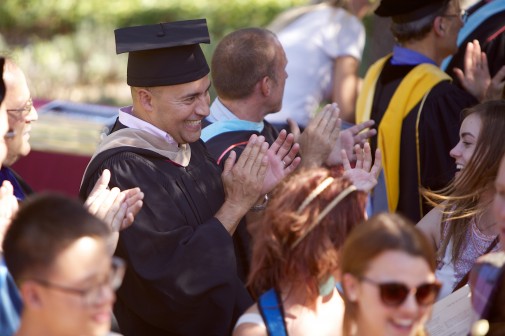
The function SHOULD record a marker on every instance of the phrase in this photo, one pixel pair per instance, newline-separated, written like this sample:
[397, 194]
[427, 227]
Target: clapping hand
[282, 160]
[320, 137]
[115, 207]
[355, 135]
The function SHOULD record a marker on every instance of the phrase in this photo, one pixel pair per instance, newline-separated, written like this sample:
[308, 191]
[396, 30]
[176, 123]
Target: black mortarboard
[408, 10]
[164, 54]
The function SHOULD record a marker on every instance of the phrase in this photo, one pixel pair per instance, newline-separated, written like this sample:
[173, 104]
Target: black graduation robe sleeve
[181, 277]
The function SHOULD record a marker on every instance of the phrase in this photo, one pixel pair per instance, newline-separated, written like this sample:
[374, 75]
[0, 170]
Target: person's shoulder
[448, 93]
[250, 323]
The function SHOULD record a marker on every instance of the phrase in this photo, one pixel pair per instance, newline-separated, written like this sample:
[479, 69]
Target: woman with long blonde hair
[461, 227]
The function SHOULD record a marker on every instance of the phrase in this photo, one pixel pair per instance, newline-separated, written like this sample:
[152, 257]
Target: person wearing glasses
[296, 250]
[388, 278]
[59, 256]
[414, 105]
[10, 301]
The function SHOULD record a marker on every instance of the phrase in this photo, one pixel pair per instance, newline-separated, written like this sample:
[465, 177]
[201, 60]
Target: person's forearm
[230, 214]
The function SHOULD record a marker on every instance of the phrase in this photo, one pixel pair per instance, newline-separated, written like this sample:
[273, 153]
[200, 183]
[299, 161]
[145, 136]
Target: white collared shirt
[127, 118]
[219, 112]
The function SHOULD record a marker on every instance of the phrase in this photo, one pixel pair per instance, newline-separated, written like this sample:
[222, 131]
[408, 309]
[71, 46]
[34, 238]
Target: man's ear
[30, 295]
[439, 25]
[145, 98]
[351, 287]
[265, 86]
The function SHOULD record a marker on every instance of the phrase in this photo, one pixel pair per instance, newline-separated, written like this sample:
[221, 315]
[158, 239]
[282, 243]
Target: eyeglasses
[93, 294]
[463, 15]
[24, 111]
[10, 134]
[393, 294]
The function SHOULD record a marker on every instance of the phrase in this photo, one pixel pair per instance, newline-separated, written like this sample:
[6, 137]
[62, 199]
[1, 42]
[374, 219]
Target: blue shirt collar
[405, 56]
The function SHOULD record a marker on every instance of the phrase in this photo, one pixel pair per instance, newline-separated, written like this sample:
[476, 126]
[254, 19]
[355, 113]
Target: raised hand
[8, 208]
[496, 89]
[320, 136]
[364, 175]
[355, 135]
[475, 78]
[282, 160]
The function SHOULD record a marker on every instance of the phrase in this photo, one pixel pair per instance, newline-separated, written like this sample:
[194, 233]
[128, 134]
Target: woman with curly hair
[295, 263]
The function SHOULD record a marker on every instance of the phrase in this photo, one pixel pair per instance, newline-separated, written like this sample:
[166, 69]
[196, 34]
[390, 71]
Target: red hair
[275, 262]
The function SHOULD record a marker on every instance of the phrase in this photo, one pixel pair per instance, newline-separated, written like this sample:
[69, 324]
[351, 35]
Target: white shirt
[127, 118]
[312, 43]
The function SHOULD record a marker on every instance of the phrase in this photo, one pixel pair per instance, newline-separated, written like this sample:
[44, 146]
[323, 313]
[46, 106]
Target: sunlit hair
[382, 233]
[241, 59]
[418, 29]
[44, 226]
[461, 197]
[275, 262]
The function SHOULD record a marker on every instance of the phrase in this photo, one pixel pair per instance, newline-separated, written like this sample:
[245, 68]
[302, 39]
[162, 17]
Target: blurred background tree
[67, 50]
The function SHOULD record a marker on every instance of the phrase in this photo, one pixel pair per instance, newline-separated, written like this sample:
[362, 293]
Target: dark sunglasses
[393, 294]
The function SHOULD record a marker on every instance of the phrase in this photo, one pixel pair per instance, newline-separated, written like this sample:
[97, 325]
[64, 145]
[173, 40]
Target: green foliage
[22, 18]
[66, 47]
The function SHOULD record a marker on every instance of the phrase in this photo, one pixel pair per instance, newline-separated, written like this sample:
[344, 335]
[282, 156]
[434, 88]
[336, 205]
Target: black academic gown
[438, 134]
[491, 37]
[181, 276]
[219, 147]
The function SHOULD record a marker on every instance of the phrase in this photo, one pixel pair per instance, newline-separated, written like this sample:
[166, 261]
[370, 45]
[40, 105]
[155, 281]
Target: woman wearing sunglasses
[296, 252]
[389, 282]
[461, 227]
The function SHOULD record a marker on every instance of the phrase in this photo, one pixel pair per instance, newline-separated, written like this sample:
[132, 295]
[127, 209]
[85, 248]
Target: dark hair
[461, 197]
[241, 60]
[275, 262]
[382, 233]
[44, 226]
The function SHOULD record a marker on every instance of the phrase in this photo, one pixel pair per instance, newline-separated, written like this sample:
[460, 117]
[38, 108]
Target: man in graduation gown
[486, 24]
[181, 277]
[414, 104]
